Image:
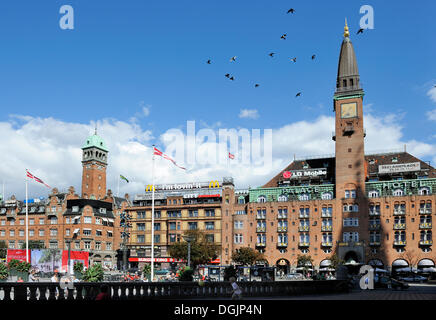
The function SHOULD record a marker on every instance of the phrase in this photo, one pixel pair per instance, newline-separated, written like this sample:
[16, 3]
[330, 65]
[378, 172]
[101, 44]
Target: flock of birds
[283, 37]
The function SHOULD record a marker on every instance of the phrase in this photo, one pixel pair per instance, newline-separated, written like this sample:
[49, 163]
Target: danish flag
[29, 175]
[231, 156]
[163, 155]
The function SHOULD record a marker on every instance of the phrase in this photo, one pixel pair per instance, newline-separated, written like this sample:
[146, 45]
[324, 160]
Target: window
[373, 194]
[77, 245]
[87, 245]
[192, 225]
[240, 212]
[283, 198]
[41, 233]
[53, 209]
[241, 200]
[193, 213]
[157, 238]
[87, 232]
[53, 244]
[210, 213]
[2, 233]
[11, 244]
[98, 233]
[172, 237]
[327, 196]
[172, 226]
[108, 245]
[21, 222]
[424, 191]
[87, 219]
[21, 233]
[75, 209]
[67, 232]
[304, 197]
[12, 222]
[174, 214]
[351, 222]
[350, 236]
[12, 233]
[210, 238]
[3, 222]
[157, 226]
[261, 239]
[261, 199]
[141, 214]
[238, 238]
[97, 221]
[140, 238]
[239, 224]
[97, 246]
[398, 193]
[54, 220]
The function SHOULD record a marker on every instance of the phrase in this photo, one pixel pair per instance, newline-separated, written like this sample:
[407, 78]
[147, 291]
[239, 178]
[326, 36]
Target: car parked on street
[294, 276]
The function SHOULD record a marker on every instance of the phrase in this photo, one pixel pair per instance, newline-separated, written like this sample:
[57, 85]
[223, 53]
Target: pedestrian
[104, 294]
[237, 293]
[20, 279]
[32, 277]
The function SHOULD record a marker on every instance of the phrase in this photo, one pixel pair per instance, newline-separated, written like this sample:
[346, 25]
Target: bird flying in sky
[283, 36]
[360, 31]
[294, 59]
[298, 94]
[233, 59]
[291, 10]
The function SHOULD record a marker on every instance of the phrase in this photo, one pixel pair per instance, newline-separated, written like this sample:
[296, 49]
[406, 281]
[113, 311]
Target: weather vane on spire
[346, 31]
[95, 132]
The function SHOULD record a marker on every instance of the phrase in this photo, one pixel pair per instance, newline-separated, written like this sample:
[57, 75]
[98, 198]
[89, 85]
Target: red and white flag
[163, 155]
[29, 175]
[231, 156]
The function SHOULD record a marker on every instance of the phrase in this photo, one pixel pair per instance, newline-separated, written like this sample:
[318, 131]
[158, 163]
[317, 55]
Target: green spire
[95, 141]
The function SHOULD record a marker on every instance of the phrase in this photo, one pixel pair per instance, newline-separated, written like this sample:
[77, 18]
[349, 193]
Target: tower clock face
[348, 110]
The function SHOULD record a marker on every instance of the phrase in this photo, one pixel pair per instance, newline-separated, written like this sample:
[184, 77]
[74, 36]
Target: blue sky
[123, 55]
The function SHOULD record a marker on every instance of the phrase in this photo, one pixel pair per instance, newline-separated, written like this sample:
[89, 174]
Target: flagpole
[118, 190]
[27, 227]
[152, 218]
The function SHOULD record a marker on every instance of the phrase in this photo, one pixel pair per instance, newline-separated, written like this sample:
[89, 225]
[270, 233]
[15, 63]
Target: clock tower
[349, 130]
[94, 164]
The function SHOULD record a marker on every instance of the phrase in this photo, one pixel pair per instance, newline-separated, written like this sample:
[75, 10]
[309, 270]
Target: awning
[326, 269]
[76, 230]
[426, 263]
[104, 219]
[400, 263]
[87, 229]
[430, 269]
[404, 269]
[325, 263]
[351, 263]
[110, 220]
[381, 270]
[76, 217]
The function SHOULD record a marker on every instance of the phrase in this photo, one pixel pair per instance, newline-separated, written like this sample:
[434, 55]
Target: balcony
[399, 226]
[260, 229]
[399, 212]
[282, 229]
[374, 227]
[326, 244]
[425, 225]
[261, 217]
[282, 244]
[374, 213]
[260, 244]
[424, 210]
[425, 242]
[399, 243]
[303, 228]
[326, 228]
[303, 244]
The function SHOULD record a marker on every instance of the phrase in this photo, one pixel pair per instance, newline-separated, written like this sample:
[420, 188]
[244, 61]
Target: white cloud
[432, 93]
[249, 114]
[432, 115]
[50, 149]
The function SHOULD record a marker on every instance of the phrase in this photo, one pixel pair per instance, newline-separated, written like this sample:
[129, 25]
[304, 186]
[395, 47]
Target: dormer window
[395, 159]
[75, 209]
[371, 161]
[102, 210]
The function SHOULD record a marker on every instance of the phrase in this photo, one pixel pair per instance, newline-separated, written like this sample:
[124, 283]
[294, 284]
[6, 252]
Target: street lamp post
[189, 239]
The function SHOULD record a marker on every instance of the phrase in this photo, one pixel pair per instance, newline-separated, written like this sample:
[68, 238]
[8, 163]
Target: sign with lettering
[298, 174]
[184, 186]
[401, 167]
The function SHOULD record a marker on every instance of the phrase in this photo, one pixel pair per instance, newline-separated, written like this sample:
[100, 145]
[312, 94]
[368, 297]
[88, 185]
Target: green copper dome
[95, 141]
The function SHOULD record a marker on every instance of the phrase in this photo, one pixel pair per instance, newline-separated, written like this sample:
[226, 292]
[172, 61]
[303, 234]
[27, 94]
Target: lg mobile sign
[296, 174]
[401, 167]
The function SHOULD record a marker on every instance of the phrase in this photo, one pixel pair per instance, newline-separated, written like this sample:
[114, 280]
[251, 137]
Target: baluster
[33, 289]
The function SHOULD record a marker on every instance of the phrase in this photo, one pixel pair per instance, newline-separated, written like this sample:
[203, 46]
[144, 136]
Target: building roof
[372, 169]
[95, 141]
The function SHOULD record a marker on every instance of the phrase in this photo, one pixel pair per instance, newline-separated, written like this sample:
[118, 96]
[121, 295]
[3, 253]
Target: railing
[399, 226]
[303, 244]
[326, 244]
[399, 242]
[399, 212]
[260, 244]
[425, 242]
[326, 228]
[282, 244]
[425, 225]
[260, 229]
[424, 211]
[303, 228]
[282, 229]
[262, 217]
[374, 213]
[47, 291]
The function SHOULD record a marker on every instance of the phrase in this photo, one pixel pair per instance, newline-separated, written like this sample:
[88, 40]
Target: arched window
[261, 199]
[326, 196]
[241, 200]
[373, 194]
[283, 198]
[424, 191]
[398, 193]
[304, 197]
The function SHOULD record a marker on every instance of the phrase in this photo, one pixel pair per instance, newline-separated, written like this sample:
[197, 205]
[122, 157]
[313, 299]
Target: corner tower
[349, 130]
[94, 163]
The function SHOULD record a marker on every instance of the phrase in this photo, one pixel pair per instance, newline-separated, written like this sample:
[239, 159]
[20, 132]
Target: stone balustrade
[82, 291]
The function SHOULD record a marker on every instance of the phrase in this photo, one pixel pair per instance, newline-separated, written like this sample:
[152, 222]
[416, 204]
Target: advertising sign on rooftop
[298, 174]
[400, 167]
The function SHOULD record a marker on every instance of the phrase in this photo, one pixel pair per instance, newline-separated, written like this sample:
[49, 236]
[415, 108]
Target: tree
[304, 261]
[335, 261]
[3, 249]
[202, 251]
[34, 244]
[246, 256]
[147, 271]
